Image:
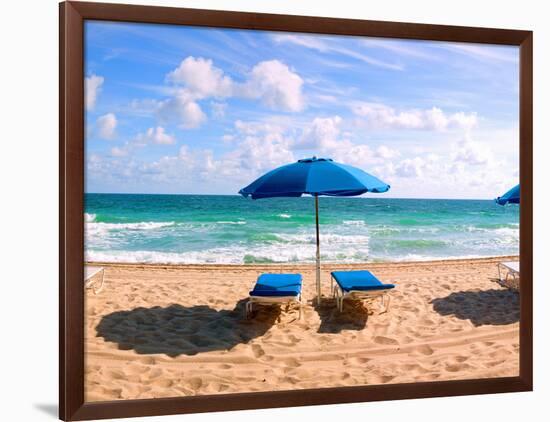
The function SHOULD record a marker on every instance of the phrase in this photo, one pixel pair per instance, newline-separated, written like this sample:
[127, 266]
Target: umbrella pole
[318, 254]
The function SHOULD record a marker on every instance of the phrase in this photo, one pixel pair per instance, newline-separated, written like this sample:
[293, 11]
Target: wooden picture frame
[71, 221]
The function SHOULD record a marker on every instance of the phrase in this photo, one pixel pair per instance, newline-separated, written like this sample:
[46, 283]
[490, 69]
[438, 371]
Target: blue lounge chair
[276, 289]
[359, 284]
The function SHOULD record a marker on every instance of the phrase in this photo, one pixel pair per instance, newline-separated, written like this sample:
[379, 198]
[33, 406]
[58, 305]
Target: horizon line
[327, 196]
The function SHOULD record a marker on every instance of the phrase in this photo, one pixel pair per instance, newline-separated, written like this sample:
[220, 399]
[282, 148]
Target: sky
[188, 110]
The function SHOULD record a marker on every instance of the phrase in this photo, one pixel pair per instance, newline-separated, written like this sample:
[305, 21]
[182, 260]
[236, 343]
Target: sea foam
[88, 218]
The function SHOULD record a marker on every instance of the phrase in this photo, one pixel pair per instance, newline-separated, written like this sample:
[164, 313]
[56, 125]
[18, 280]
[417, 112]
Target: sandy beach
[164, 331]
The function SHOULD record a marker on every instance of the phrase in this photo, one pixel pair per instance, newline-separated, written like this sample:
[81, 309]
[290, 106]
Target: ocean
[200, 229]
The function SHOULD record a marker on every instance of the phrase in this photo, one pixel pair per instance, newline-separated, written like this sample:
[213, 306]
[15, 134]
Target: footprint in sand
[258, 351]
[424, 349]
[387, 341]
[454, 367]
[115, 374]
[494, 363]
[155, 373]
[194, 383]
[353, 361]
[292, 362]
[113, 392]
[383, 379]
[224, 366]
[345, 376]
[163, 383]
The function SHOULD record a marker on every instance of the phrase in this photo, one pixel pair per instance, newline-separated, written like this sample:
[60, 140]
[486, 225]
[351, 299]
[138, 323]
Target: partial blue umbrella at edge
[315, 177]
[510, 197]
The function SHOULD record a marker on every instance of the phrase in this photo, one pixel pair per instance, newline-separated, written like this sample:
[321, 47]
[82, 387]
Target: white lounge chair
[508, 274]
[273, 289]
[93, 275]
[359, 284]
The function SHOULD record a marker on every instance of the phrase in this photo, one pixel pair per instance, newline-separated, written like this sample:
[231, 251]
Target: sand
[165, 331]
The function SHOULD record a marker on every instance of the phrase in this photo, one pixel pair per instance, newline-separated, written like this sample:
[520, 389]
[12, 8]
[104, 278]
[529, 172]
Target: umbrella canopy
[510, 197]
[316, 177]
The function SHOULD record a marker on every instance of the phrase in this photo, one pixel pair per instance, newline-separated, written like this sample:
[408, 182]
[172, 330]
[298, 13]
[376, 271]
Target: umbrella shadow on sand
[180, 330]
[486, 307]
[354, 316]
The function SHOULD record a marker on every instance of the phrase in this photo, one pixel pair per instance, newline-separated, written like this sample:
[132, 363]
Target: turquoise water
[232, 229]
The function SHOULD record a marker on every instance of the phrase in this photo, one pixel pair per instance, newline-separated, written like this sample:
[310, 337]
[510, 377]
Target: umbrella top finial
[313, 159]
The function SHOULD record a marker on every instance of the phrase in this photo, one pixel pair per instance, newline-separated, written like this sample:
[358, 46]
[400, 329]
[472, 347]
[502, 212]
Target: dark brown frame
[71, 221]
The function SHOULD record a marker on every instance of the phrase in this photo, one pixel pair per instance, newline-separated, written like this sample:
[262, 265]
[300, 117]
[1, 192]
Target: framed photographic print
[267, 210]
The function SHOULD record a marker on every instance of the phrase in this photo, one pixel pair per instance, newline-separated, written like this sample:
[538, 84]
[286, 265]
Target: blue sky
[173, 109]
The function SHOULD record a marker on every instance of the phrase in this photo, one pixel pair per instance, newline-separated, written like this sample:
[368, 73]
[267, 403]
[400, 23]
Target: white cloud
[119, 151]
[358, 155]
[143, 107]
[92, 88]
[400, 47]
[196, 79]
[469, 169]
[504, 54]
[259, 146]
[385, 152]
[275, 85]
[201, 78]
[462, 120]
[182, 110]
[471, 153]
[309, 41]
[410, 168]
[153, 135]
[381, 116]
[322, 134]
[156, 135]
[200, 162]
[322, 45]
[260, 154]
[218, 109]
[192, 167]
[255, 128]
[227, 137]
[106, 126]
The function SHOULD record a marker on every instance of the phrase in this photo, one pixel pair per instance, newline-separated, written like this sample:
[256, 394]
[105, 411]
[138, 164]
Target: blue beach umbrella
[510, 197]
[315, 177]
